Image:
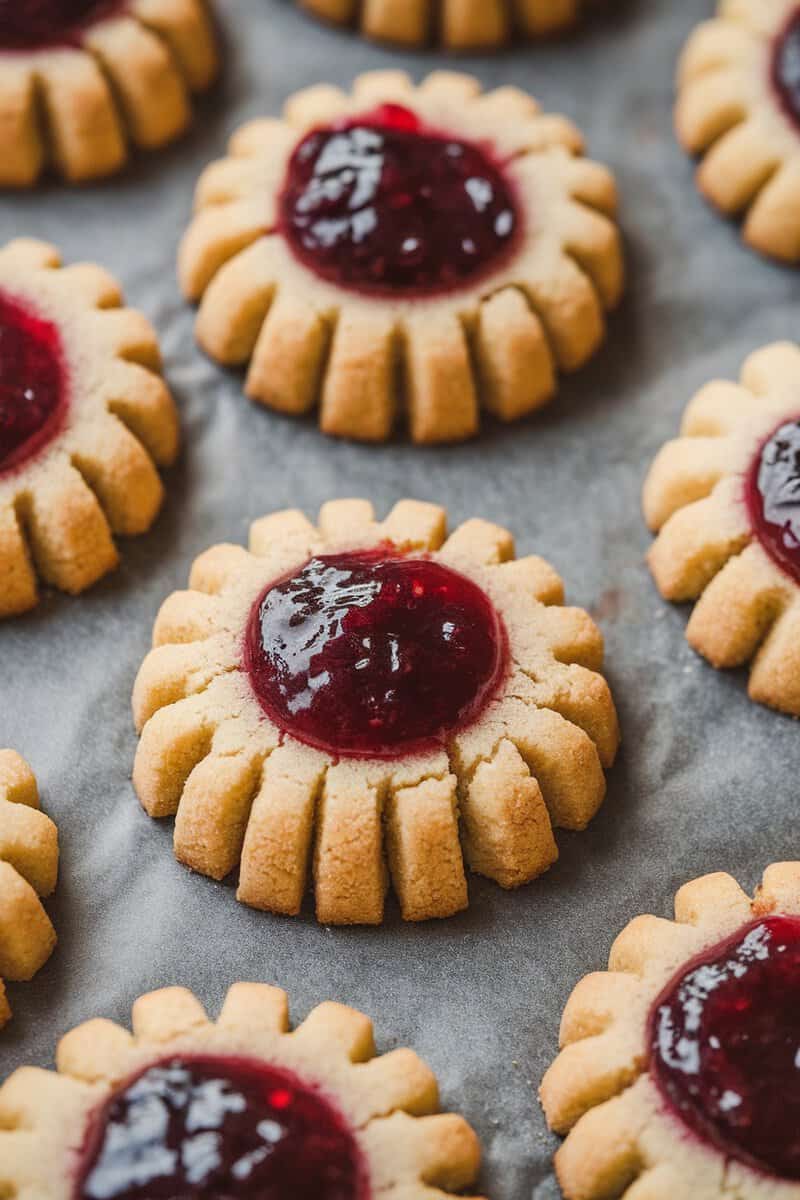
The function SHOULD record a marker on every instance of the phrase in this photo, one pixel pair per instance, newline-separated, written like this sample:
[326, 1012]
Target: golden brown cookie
[83, 80]
[678, 1077]
[310, 1113]
[724, 499]
[739, 107]
[457, 24]
[84, 418]
[416, 251]
[362, 695]
[28, 871]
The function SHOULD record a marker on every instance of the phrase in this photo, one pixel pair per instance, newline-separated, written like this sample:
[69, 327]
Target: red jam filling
[725, 1046]
[30, 24]
[786, 67]
[222, 1129]
[32, 384]
[382, 204]
[373, 654]
[773, 497]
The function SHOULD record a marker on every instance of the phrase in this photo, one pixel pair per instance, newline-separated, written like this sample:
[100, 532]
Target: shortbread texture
[368, 361]
[79, 110]
[730, 114]
[748, 608]
[457, 24]
[389, 1102]
[623, 1142]
[97, 478]
[28, 873]
[245, 794]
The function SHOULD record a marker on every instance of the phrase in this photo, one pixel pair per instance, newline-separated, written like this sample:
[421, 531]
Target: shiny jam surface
[384, 204]
[28, 24]
[773, 497]
[373, 654]
[786, 67]
[222, 1129]
[725, 1046]
[33, 397]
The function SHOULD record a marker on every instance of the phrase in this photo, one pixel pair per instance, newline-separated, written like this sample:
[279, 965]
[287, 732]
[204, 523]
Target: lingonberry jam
[29, 24]
[725, 1046]
[374, 654]
[384, 204]
[786, 67]
[773, 497]
[33, 397]
[221, 1129]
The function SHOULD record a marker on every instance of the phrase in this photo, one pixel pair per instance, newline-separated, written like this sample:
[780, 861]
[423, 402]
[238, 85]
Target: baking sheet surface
[705, 780]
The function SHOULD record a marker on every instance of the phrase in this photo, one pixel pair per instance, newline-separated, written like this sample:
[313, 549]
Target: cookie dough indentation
[384, 203]
[773, 497]
[32, 384]
[372, 653]
[208, 1125]
[724, 1046]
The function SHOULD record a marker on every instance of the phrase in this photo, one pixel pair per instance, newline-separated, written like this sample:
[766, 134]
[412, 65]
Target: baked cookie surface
[363, 691]
[252, 1107]
[28, 873]
[84, 418]
[457, 24]
[724, 499]
[83, 80]
[739, 107]
[421, 249]
[678, 1074]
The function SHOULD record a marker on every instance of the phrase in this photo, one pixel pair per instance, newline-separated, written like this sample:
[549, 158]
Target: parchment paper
[706, 780]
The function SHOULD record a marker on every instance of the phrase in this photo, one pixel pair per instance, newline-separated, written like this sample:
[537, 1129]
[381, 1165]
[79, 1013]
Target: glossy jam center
[773, 497]
[26, 24]
[725, 1046]
[222, 1129]
[32, 386]
[383, 204]
[786, 67]
[372, 654]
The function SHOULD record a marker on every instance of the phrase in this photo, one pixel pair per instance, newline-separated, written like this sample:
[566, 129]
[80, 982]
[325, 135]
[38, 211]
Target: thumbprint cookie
[456, 24]
[28, 873]
[724, 499]
[84, 418]
[739, 108]
[364, 701]
[679, 1077]
[400, 250]
[240, 1107]
[83, 80]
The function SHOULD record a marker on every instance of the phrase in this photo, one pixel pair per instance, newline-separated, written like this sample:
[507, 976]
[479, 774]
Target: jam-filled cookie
[84, 418]
[428, 249]
[28, 871]
[241, 1107]
[725, 501]
[82, 80]
[679, 1076]
[457, 24]
[367, 697]
[739, 107]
